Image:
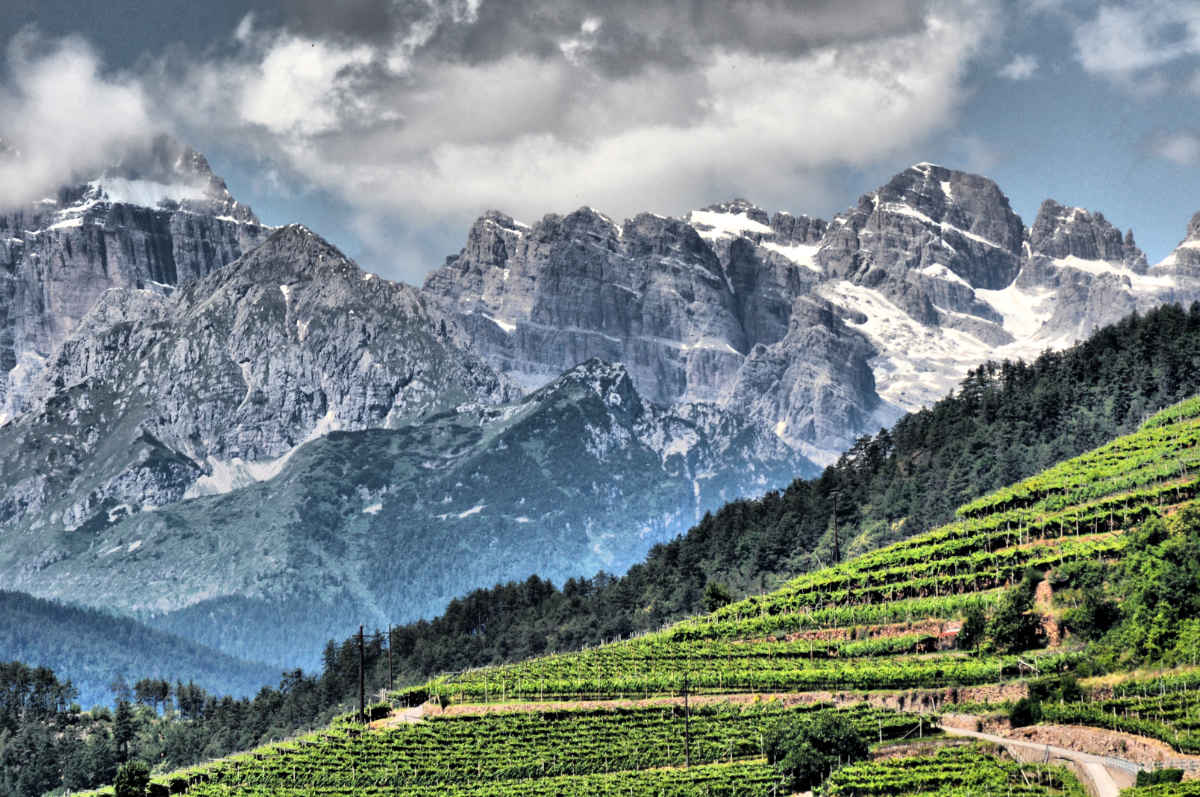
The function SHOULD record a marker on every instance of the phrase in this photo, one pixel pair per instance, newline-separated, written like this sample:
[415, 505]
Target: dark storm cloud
[624, 37]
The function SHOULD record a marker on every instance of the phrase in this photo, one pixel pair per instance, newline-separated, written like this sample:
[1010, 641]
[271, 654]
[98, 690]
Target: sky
[388, 126]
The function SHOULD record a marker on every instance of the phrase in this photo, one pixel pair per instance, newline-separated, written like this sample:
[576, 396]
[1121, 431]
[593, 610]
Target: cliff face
[156, 227]
[921, 279]
[689, 309]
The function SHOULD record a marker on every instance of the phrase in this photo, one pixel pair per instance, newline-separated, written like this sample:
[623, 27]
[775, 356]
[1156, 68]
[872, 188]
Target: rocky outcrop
[157, 397]
[1184, 260]
[813, 384]
[159, 221]
[1061, 232]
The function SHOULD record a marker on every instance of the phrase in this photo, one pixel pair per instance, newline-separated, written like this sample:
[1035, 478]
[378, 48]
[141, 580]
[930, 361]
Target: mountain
[819, 331]
[266, 436]
[96, 648]
[215, 386]
[156, 221]
[237, 421]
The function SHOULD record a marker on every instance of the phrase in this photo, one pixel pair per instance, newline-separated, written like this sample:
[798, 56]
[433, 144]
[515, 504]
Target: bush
[806, 749]
[1153, 777]
[132, 779]
[1014, 625]
[1026, 711]
[973, 627]
[716, 595]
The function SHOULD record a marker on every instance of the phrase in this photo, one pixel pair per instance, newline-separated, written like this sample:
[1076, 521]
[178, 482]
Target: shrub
[1025, 711]
[132, 779]
[806, 749]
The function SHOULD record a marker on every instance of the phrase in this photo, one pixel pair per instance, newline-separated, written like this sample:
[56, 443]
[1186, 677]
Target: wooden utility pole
[687, 726]
[389, 658]
[837, 549]
[362, 703]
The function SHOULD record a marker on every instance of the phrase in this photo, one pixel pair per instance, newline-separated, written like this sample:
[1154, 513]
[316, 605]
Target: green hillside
[967, 617]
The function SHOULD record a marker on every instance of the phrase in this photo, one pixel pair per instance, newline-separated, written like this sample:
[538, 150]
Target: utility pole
[362, 704]
[389, 658]
[837, 549]
[687, 726]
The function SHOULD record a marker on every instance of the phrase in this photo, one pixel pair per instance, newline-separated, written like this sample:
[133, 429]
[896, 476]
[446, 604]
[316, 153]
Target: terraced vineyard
[951, 771]
[1165, 708]
[581, 750]
[886, 620]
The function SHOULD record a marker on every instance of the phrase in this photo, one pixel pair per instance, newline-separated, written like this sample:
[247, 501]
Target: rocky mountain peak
[925, 241]
[610, 382]
[1185, 259]
[967, 202]
[654, 236]
[158, 219]
[740, 206]
[1193, 228]
[1061, 231]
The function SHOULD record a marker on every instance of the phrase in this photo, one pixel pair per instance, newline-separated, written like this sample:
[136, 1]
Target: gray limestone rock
[217, 383]
[166, 222]
[927, 216]
[1060, 232]
[681, 309]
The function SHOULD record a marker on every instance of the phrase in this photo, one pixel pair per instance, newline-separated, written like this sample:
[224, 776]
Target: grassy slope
[868, 624]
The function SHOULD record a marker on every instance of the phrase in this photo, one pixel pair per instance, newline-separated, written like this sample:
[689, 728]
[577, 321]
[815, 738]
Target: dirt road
[1098, 769]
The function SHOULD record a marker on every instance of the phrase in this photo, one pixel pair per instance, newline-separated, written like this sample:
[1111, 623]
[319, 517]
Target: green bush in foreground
[806, 749]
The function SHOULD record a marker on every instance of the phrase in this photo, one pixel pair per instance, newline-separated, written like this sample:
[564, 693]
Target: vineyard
[886, 620]
[1165, 708]
[529, 752]
[951, 771]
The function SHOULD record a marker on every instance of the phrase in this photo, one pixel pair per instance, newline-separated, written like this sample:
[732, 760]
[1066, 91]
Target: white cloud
[1180, 147]
[64, 116]
[300, 86]
[418, 140]
[1021, 67]
[1122, 41]
[398, 131]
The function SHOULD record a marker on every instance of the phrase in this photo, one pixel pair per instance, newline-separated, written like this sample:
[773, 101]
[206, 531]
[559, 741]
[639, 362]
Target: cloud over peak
[64, 117]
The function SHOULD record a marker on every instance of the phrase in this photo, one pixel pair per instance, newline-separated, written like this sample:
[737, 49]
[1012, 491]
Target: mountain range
[232, 432]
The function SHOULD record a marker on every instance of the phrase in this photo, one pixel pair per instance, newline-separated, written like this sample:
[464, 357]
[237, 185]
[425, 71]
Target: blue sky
[389, 125]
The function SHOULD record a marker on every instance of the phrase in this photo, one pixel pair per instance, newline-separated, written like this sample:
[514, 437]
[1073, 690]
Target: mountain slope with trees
[93, 649]
[1007, 421]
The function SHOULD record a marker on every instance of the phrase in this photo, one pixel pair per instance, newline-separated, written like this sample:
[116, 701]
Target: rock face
[684, 316]
[214, 386]
[162, 223]
[925, 217]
